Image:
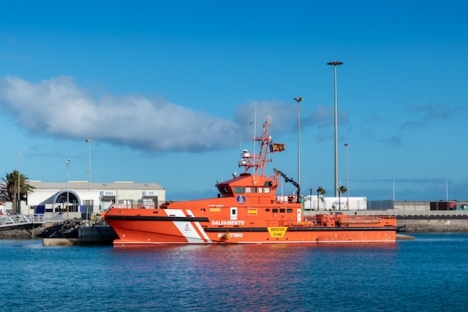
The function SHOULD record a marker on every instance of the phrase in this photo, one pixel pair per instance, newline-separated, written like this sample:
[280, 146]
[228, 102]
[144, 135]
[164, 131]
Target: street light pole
[68, 180]
[298, 100]
[18, 199]
[89, 162]
[347, 169]
[336, 63]
[446, 190]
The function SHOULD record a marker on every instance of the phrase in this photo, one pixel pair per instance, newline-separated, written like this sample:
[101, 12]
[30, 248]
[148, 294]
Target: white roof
[83, 185]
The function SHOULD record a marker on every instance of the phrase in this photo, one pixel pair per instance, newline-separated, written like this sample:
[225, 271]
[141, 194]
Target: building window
[88, 206]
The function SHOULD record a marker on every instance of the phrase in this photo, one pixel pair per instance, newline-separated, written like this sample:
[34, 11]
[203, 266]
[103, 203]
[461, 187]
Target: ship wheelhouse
[245, 185]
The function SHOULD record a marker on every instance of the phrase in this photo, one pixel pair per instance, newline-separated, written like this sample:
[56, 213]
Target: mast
[258, 161]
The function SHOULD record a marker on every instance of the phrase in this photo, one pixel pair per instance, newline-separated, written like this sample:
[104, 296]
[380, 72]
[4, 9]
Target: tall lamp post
[298, 100]
[18, 200]
[89, 162]
[336, 63]
[68, 180]
[347, 169]
[446, 189]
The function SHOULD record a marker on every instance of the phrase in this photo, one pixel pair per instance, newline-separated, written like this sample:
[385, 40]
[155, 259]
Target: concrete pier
[404, 237]
[61, 241]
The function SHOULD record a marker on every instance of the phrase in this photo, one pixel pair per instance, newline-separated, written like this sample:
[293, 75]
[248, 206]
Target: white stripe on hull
[185, 228]
[199, 227]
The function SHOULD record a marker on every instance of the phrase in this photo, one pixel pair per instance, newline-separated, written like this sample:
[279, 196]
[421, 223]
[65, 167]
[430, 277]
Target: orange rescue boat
[247, 210]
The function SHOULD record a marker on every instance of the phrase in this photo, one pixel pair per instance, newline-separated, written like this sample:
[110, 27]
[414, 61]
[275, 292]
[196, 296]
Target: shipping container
[443, 205]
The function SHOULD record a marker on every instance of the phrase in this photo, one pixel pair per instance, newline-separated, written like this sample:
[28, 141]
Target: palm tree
[10, 188]
[320, 191]
[341, 190]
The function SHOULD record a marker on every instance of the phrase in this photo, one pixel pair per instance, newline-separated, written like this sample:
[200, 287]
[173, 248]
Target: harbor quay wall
[24, 231]
[102, 234]
[87, 235]
[416, 221]
[433, 225]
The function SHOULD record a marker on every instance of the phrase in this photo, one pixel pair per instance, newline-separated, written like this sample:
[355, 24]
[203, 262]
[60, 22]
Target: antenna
[254, 142]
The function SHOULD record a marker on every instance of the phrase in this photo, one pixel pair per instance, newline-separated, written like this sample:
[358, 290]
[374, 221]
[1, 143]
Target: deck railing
[135, 206]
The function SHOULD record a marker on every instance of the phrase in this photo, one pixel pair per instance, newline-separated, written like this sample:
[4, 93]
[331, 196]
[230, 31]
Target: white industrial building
[83, 197]
[334, 203]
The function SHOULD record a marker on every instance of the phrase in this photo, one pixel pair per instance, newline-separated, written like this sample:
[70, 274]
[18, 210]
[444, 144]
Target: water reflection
[407, 275]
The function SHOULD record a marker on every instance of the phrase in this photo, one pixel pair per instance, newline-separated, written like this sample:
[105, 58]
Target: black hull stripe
[154, 218]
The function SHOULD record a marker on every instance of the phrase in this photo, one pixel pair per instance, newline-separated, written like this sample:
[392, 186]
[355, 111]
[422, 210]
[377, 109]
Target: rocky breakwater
[65, 229]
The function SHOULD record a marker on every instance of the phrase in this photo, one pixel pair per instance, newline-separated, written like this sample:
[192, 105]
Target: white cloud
[324, 116]
[283, 116]
[59, 107]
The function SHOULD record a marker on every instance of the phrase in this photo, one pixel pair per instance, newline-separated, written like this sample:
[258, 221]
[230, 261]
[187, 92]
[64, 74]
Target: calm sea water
[427, 274]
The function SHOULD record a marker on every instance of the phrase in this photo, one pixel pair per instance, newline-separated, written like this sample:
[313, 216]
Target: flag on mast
[277, 147]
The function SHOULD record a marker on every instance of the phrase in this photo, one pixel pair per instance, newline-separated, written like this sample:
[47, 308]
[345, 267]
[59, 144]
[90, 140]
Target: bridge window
[282, 210]
[225, 190]
[274, 210]
[238, 190]
[267, 190]
[260, 190]
[289, 210]
[248, 189]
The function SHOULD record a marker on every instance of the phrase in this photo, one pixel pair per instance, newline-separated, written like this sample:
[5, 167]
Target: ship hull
[138, 230]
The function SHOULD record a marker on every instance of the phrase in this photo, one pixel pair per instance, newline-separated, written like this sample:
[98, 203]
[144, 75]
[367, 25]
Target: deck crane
[286, 179]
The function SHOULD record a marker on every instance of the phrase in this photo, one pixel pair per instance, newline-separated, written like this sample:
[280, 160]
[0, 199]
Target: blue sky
[167, 90]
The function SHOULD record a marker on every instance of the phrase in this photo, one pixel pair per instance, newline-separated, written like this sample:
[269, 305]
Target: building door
[233, 213]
